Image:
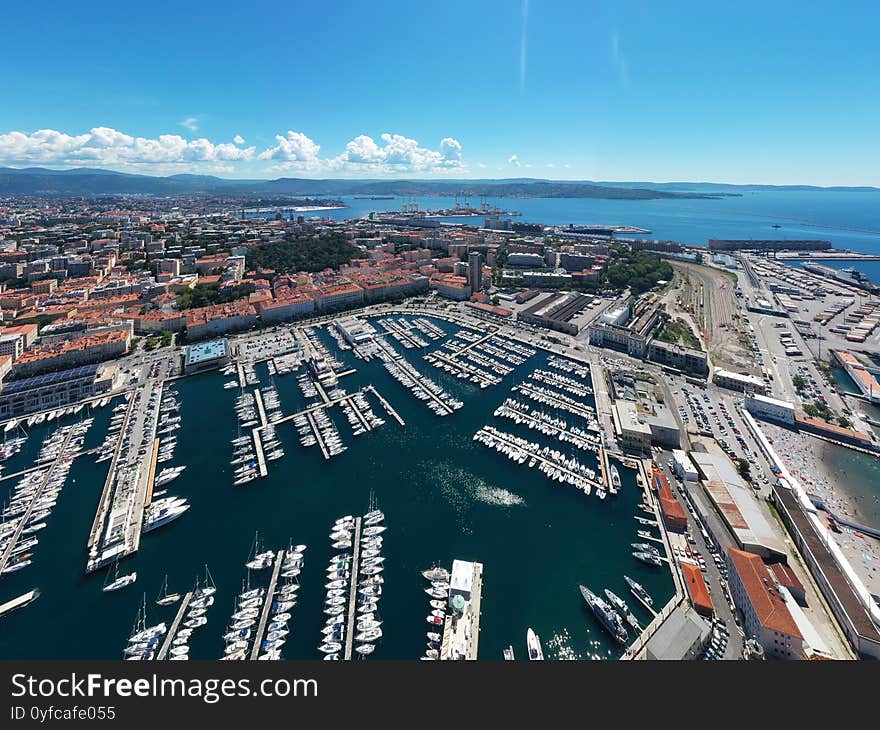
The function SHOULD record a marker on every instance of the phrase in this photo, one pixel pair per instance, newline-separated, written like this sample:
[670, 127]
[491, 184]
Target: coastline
[838, 476]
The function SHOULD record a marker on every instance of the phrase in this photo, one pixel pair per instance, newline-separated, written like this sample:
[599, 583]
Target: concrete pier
[242, 381]
[151, 478]
[351, 616]
[175, 625]
[268, 599]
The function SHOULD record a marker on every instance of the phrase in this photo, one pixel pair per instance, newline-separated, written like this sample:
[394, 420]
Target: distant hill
[38, 181]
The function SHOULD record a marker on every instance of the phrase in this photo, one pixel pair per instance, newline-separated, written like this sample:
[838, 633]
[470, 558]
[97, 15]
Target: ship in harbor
[533, 643]
[849, 276]
[607, 616]
[638, 591]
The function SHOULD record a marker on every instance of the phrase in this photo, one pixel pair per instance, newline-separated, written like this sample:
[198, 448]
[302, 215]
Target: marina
[444, 491]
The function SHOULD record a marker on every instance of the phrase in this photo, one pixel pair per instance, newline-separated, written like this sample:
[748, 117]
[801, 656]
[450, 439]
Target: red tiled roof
[761, 587]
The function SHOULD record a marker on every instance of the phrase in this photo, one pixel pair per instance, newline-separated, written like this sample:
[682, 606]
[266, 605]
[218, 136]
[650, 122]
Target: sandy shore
[811, 462]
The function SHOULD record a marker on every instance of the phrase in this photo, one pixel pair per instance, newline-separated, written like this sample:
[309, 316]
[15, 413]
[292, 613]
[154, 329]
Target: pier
[318, 436]
[357, 412]
[386, 405]
[461, 631]
[175, 625]
[352, 596]
[537, 457]
[641, 600]
[116, 529]
[584, 412]
[22, 521]
[258, 448]
[151, 479]
[260, 409]
[242, 381]
[267, 605]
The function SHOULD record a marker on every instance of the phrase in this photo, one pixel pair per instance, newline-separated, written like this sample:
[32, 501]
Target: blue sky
[763, 92]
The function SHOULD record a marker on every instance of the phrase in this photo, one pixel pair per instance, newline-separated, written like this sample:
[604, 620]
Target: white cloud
[293, 151]
[514, 160]
[191, 123]
[110, 147]
[393, 153]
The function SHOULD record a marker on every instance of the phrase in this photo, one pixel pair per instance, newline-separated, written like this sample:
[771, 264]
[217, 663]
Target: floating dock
[352, 596]
[318, 435]
[22, 521]
[386, 405]
[267, 605]
[260, 409]
[175, 625]
[258, 448]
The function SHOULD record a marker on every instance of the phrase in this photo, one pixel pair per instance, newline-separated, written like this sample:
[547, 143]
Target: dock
[357, 412]
[352, 596]
[242, 381]
[22, 521]
[267, 605]
[641, 600]
[258, 448]
[318, 435]
[386, 405]
[584, 412]
[116, 529]
[260, 409]
[541, 459]
[23, 600]
[151, 479]
[175, 625]
[461, 632]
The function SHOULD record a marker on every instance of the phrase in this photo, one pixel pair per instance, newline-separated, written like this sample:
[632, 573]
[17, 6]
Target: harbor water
[444, 495]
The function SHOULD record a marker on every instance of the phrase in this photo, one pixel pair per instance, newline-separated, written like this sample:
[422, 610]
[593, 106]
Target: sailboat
[118, 581]
[260, 561]
[208, 589]
[165, 598]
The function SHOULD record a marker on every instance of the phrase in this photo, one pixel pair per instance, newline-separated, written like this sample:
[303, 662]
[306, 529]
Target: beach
[825, 470]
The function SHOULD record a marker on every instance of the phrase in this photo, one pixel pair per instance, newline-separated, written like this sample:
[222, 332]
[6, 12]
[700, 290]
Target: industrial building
[556, 311]
[737, 505]
[680, 637]
[716, 244]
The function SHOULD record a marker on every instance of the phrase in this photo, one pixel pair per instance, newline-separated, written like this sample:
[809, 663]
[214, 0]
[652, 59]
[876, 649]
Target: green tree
[743, 468]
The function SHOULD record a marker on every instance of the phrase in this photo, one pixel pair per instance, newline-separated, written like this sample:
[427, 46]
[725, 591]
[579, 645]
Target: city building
[685, 359]
[766, 617]
[696, 588]
[475, 271]
[770, 409]
[206, 356]
[738, 381]
[633, 434]
[55, 389]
